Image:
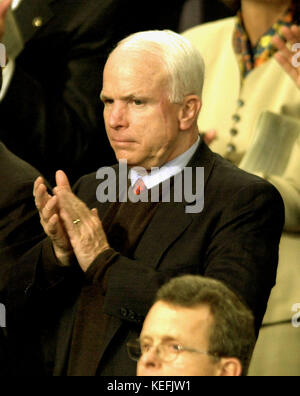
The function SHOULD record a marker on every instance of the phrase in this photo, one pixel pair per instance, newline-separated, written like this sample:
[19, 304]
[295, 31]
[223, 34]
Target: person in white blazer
[232, 109]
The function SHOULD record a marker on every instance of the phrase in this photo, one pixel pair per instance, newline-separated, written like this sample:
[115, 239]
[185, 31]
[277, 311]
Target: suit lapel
[204, 158]
[168, 223]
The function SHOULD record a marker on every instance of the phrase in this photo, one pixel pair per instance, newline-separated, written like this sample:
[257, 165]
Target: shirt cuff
[53, 272]
[98, 269]
[7, 75]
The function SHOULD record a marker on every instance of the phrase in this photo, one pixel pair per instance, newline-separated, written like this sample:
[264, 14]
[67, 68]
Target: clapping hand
[286, 56]
[48, 208]
[73, 228]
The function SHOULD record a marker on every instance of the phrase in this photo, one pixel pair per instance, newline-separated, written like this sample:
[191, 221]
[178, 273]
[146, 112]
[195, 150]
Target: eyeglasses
[167, 351]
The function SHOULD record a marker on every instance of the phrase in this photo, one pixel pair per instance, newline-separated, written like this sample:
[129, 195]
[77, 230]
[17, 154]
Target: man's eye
[145, 347]
[138, 102]
[107, 101]
[173, 347]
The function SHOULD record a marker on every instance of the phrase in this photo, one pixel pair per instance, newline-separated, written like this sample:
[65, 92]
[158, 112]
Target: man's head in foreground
[152, 87]
[196, 327]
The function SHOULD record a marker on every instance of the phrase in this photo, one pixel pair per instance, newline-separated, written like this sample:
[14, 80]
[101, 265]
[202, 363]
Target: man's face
[141, 123]
[188, 327]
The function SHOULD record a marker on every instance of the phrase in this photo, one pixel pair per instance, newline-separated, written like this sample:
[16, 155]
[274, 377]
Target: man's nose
[150, 359]
[118, 116]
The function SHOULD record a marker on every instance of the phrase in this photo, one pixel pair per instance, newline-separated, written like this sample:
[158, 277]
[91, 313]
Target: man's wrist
[64, 259]
[98, 268]
[88, 262]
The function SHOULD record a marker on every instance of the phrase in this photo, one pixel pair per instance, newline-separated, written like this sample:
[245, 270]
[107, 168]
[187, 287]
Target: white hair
[183, 63]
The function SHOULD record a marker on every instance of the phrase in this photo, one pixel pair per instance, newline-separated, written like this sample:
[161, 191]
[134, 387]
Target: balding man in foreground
[196, 327]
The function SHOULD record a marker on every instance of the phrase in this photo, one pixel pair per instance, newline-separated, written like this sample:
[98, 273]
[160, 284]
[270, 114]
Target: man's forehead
[126, 95]
[124, 60]
[170, 320]
[124, 84]
[126, 75]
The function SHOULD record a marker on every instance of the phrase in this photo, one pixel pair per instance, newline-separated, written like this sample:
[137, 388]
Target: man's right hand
[4, 6]
[209, 136]
[285, 54]
[47, 206]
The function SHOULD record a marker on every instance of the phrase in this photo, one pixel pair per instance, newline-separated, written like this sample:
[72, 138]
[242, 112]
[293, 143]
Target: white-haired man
[102, 270]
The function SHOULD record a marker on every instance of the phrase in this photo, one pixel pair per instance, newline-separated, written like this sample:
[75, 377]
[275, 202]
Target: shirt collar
[170, 169]
[15, 4]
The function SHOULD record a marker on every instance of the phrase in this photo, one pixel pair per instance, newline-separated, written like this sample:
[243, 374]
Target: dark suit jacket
[20, 227]
[3, 355]
[52, 113]
[235, 239]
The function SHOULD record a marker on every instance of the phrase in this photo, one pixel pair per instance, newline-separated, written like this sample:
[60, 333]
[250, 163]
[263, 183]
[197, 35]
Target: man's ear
[189, 112]
[230, 367]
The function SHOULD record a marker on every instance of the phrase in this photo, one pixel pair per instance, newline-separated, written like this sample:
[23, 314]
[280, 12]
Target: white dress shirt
[170, 169]
[15, 4]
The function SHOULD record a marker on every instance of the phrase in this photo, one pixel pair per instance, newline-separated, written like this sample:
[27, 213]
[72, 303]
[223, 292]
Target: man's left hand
[285, 55]
[83, 226]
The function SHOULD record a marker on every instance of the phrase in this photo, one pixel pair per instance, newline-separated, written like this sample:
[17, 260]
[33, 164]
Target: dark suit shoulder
[230, 191]
[230, 179]
[14, 168]
[16, 178]
[222, 179]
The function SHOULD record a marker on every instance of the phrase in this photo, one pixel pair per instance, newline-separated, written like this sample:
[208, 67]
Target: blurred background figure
[50, 107]
[289, 51]
[196, 327]
[195, 12]
[251, 108]
[20, 228]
